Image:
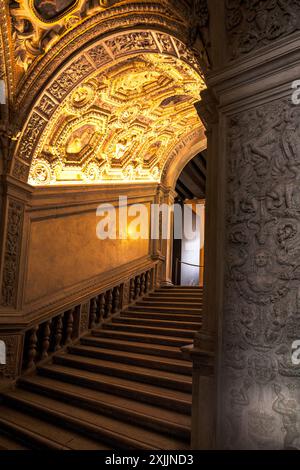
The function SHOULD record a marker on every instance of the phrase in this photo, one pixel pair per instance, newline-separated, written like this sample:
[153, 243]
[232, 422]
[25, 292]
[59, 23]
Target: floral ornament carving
[12, 253]
[256, 23]
[262, 305]
[38, 24]
[198, 37]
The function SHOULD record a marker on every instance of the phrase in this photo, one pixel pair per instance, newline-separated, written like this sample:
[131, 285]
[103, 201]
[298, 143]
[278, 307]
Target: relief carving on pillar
[198, 34]
[12, 253]
[261, 390]
[255, 23]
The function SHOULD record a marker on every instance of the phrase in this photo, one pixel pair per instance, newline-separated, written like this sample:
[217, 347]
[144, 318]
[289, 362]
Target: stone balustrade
[55, 333]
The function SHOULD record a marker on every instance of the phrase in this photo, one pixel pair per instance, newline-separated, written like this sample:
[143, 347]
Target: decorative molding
[198, 34]
[45, 38]
[13, 239]
[6, 53]
[178, 148]
[207, 109]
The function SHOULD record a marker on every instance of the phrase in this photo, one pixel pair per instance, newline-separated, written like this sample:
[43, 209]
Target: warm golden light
[119, 125]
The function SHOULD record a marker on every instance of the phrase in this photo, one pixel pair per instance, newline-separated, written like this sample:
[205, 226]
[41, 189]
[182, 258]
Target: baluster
[69, 325]
[143, 284]
[109, 303]
[93, 313]
[137, 287]
[148, 281]
[116, 301]
[101, 307]
[32, 348]
[58, 332]
[131, 291]
[46, 339]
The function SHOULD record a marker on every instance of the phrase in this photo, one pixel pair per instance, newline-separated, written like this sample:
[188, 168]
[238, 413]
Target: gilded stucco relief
[39, 24]
[262, 306]
[120, 124]
[113, 114]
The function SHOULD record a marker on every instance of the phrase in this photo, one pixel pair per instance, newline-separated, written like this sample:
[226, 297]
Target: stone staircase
[123, 386]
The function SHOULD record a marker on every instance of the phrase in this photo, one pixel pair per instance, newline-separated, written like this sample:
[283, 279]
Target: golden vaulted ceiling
[98, 99]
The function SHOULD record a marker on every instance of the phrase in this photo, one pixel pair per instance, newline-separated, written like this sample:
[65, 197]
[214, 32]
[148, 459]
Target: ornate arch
[184, 151]
[136, 45]
[86, 28]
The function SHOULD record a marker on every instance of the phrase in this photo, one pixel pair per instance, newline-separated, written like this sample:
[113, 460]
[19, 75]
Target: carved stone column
[258, 154]
[202, 353]
[167, 243]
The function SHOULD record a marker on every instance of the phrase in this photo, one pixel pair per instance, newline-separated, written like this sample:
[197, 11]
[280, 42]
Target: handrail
[183, 262]
[189, 264]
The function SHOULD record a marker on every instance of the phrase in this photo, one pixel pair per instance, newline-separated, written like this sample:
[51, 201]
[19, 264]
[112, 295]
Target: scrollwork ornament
[253, 24]
[12, 253]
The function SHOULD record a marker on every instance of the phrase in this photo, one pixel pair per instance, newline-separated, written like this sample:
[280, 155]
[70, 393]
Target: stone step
[149, 416]
[10, 443]
[126, 371]
[146, 393]
[124, 346]
[138, 335]
[181, 289]
[166, 303]
[141, 359]
[180, 297]
[111, 431]
[151, 329]
[39, 435]
[180, 318]
[125, 385]
[167, 309]
[129, 320]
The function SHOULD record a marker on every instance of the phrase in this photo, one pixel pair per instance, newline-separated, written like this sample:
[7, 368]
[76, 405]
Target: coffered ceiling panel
[119, 124]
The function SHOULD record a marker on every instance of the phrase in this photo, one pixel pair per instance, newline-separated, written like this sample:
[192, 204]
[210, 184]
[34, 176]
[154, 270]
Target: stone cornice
[270, 67]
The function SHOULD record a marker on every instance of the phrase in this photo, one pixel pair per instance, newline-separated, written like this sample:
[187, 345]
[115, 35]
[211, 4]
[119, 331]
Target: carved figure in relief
[289, 411]
[261, 368]
[260, 149]
[239, 400]
[261, 279]
[236, 355]
[289, 246]
[261, 327]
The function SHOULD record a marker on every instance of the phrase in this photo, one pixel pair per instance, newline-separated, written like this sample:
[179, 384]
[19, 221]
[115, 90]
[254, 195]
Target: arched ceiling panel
[112, 113]
[120, 124]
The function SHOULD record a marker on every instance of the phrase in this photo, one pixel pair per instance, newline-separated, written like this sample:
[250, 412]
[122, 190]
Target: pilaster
[256, 141]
